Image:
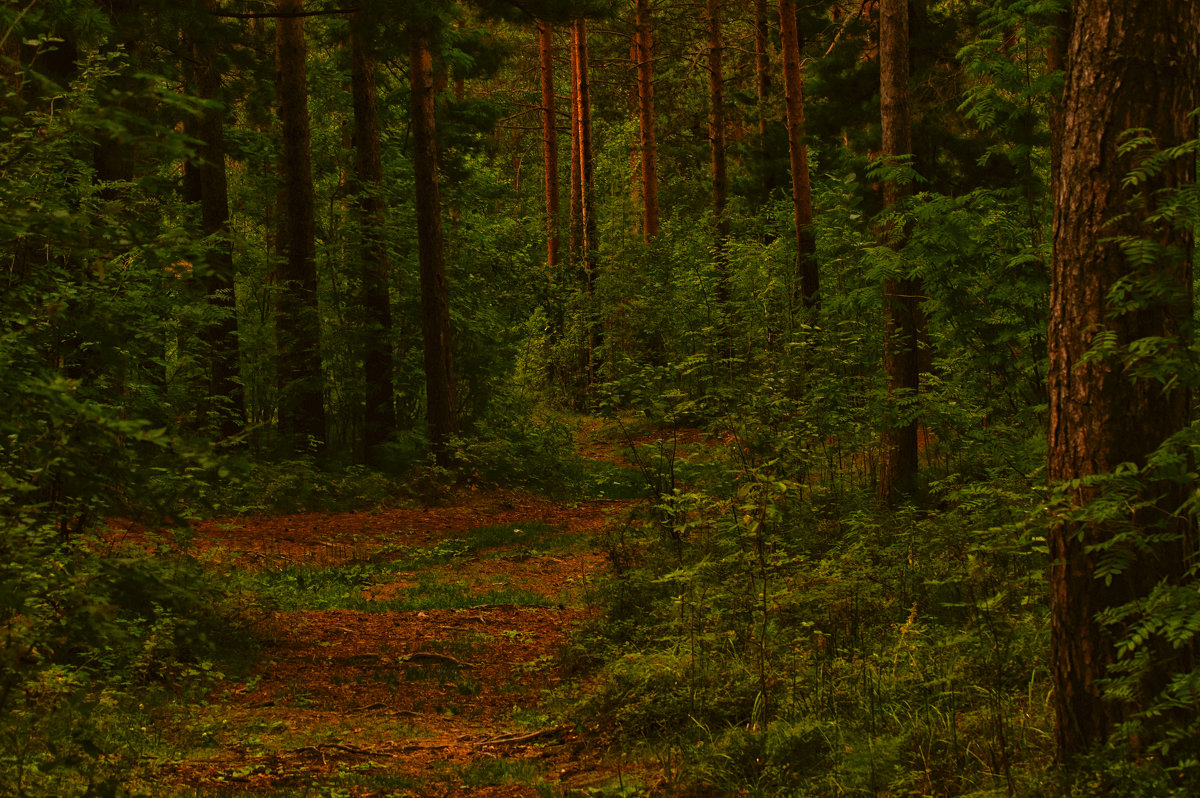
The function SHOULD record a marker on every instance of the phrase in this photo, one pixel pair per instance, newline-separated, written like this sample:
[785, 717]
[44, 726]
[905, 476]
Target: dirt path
[391, 694]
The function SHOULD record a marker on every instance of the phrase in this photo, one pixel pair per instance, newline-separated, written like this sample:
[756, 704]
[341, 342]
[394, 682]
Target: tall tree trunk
[901, 295]
[585, 175]
[716, 133]
[549, 147]
[1129, 65]
[762, 69]
[435, 302]
[575, 220]
[297, 320]
[793, 81]
[644, 43]
[379, 418]
[226, 399]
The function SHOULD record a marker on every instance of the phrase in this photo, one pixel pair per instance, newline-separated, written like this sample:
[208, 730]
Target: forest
[599, 398]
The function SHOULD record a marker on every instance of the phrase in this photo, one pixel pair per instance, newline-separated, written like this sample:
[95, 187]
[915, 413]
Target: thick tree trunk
[297, 320]
[435, 302]
[549, 147]
[379, 418]
[1129, 65]
[225, 396]
[901, 296]
[793, 82]
[644, 44]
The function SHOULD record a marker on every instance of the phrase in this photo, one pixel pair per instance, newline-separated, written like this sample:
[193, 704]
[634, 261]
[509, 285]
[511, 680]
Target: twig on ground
[515, 739]
[431, 655]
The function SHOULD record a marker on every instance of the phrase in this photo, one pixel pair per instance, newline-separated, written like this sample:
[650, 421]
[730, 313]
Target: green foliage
[90, 631]
[768, 637]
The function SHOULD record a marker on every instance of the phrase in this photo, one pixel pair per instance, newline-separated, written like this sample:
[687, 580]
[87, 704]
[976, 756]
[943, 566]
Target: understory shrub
[91, 633]
[780, 639]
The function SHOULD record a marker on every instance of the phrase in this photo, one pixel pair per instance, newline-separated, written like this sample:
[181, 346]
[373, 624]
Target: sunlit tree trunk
[549, 147]
[1128, 65]
[901, 295]
[379, 418]
[575, 220]
[644, 46]
[297, 319]
[585, 175]
[793, 81]
[435, 303]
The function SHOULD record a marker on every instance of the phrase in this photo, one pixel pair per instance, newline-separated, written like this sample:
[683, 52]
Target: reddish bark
[585, 175]
[1128, 65]
[575, 220]
[643, 44]
[549, 146]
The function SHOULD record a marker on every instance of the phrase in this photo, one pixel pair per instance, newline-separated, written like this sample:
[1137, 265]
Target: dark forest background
[920, 268]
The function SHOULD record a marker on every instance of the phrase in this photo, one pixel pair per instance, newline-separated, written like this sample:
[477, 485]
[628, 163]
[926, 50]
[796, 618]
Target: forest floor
[415, 652]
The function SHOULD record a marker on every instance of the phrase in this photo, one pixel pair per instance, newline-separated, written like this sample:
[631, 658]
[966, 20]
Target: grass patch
[532, 533]
[308, 587]
[341, 588]
[602, 480]
[496, 540]
[500, 772]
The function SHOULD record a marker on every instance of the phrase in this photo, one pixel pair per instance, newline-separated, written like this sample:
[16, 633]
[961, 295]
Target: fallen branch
[349, 749]
[515, 739]
[431, 655]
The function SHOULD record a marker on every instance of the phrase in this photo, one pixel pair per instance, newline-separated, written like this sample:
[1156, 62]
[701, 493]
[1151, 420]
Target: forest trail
[421, 664]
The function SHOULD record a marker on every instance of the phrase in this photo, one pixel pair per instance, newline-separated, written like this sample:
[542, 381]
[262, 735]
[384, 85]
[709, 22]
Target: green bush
[88, 629]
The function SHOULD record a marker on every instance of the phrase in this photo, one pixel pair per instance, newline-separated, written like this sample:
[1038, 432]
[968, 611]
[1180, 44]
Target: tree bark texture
[644, 44]
[549, 147]
[435, 303]
[793, 83]
[901, 295]
[379, 415]
[297, 320]
[218, 274]
[1128, 65]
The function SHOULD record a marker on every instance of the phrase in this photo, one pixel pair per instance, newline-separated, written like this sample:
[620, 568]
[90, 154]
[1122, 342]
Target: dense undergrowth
[781, 642]
[96, 639]
[770, 635]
